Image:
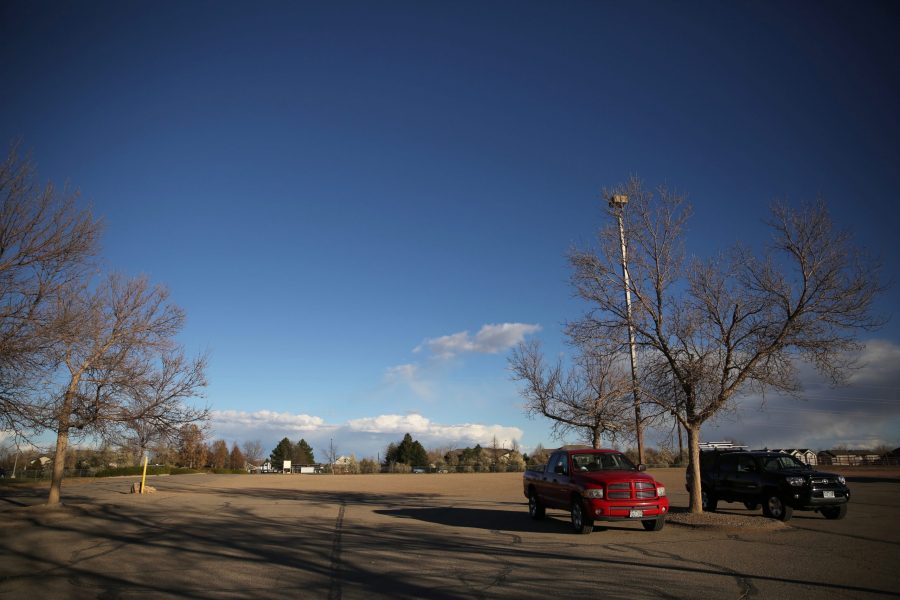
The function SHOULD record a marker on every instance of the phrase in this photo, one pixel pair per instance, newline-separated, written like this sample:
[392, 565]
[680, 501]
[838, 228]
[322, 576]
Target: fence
[40, 474]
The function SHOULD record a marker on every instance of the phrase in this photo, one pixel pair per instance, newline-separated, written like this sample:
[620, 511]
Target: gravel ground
[718, 520]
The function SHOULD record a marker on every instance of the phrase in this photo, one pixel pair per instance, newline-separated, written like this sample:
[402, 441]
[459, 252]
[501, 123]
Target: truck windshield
[784, 461]
[601, 462]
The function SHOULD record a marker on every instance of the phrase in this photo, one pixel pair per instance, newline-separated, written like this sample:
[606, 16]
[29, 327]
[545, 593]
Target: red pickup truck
[596, 485]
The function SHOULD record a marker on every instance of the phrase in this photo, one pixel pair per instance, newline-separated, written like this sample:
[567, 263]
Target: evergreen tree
[408, 452]
[391, 455]
[302, 453]
[404, 450]
[418, 457]
[281, 453]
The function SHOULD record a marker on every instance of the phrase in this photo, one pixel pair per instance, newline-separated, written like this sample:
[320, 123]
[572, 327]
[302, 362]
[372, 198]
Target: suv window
[728, 462]
[746, 464]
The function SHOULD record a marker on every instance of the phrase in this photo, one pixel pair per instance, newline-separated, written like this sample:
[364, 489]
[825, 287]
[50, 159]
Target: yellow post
[144, 476]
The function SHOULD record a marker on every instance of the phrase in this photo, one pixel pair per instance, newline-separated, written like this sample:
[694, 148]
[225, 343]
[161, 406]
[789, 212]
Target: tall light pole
[617, 203]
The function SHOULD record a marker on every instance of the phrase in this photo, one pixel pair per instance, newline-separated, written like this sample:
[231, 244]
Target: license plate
[635, 514]
[828, 494]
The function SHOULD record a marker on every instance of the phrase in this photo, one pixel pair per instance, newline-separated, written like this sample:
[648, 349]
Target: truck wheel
[834, 512]
[708, 501]
[535, 508]
[751, 505]
[774, 507]
[654, 524]
[580, 522]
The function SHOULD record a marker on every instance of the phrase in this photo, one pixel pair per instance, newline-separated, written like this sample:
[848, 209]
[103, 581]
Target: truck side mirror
[642, 467]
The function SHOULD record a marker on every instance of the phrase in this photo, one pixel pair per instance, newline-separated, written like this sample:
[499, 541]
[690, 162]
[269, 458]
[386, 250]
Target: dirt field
[419, 536]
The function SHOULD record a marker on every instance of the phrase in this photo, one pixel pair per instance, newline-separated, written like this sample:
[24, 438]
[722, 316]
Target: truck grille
[823, 483]
[625, 490]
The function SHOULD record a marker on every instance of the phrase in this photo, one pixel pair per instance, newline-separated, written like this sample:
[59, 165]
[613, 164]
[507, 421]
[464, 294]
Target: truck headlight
[593, 493]
[795, 481]
[660, 491]
[841, 480]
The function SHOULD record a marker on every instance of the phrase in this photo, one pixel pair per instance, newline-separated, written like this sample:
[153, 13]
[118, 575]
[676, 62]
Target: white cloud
[410, 376]
[490, 339]
[412, 423]
[401, 373]
[435, 433]
[263, 420]
[878, 364]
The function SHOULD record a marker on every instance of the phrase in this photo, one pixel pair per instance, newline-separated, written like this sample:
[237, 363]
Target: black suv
[778, 481]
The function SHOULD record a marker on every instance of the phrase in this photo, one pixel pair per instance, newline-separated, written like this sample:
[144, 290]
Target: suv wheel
[580, 522]
[774, 507]
[834, 512]
[708, 501]
[535, 508]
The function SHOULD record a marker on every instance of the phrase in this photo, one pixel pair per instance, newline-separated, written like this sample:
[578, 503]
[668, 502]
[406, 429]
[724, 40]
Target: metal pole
[617, 203]
[144, 476]
[16, 461]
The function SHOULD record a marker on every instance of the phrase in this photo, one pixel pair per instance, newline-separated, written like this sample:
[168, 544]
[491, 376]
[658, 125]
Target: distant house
[854, 458]
[824, 457]
[343, 464]
[891, 458]
[44, 462]
[804, 455]
[500, 455]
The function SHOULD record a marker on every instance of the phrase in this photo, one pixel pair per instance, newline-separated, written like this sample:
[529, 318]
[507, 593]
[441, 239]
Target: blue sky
[332, 189]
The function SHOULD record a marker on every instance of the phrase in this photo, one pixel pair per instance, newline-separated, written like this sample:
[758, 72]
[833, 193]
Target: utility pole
[617, 203]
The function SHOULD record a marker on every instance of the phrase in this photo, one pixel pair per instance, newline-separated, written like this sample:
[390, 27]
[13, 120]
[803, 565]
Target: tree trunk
[693, 434]
[597, 438]
[62, 442]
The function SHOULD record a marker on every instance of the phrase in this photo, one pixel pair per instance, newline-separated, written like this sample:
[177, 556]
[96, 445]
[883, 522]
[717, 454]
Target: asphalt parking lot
[419, 536]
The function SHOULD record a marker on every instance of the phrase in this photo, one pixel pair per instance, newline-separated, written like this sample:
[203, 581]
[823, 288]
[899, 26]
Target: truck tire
[708, 501]
[580, 522]
[776, 508]
[834, 512]
[536, 510]
[654, 524]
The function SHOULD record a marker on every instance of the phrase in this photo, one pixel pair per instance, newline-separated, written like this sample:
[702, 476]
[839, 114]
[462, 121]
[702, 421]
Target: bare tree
[120, 363]
[253, 452]
[591, 399]
[153, 409]
[713, 329]
[45, 244]
[332, 454]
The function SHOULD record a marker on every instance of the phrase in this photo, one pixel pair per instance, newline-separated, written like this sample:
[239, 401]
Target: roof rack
[720, 446]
